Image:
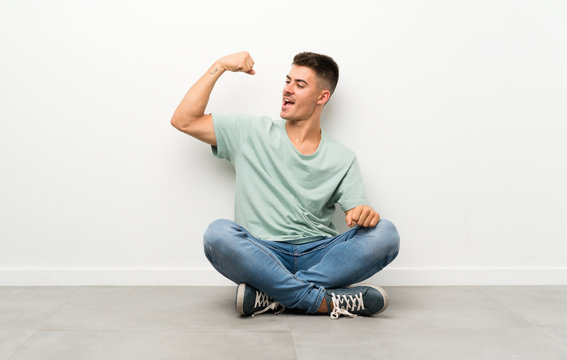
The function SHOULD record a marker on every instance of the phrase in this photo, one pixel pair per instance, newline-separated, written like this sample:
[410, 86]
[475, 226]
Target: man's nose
[288, 88]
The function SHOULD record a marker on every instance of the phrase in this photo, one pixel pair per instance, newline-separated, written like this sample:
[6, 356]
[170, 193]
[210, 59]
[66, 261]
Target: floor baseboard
[209, 277]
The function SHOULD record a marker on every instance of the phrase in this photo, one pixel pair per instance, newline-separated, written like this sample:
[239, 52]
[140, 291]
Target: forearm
[194, 103]
[192, 107]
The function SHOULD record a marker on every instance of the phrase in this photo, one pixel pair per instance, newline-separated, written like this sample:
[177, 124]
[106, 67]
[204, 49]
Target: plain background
[455, 109]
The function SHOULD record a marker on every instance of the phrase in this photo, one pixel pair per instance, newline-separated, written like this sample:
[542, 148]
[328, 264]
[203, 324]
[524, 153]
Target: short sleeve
[230, 132]
[350, 192]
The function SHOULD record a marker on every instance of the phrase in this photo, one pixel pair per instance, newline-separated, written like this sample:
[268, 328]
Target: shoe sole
[382, 292]
[240, 298]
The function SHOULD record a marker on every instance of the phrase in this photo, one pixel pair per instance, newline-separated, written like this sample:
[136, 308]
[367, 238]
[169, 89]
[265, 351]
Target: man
[282, 249]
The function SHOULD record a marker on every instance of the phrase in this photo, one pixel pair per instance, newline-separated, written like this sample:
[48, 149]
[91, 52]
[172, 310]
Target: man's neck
[301, 131]
[305, 135]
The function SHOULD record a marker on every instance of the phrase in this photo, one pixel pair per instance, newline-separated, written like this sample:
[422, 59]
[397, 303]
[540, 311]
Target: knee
[217, 232]
[389, 237]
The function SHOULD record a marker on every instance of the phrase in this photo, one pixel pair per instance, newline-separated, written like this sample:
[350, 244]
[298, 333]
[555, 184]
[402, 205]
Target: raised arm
[190, 116]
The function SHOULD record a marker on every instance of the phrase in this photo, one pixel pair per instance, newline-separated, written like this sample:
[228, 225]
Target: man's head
[309, 85]
[324, 66]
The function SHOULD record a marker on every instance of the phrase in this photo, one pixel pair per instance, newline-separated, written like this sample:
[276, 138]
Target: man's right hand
[239, 62]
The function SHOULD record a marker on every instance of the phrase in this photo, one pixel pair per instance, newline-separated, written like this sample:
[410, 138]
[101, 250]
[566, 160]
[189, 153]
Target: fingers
[353, 216]
[360, 216]
[239, 62]
[372, 219]
[364, 218]
[348, 220]
[375, 220]
[363, 215]
[249, 64]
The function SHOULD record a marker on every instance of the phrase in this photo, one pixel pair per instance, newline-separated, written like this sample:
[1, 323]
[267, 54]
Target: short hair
[324, 66]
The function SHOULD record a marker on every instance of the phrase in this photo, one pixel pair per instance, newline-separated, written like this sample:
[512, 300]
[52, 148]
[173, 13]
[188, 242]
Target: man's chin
[290, 117]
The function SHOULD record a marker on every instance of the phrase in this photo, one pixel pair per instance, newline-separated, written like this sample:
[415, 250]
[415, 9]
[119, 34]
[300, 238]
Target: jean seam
[319, 300]
[295, 259]
[320, 247]
[257, 243]
[276, 249]
[324, 246]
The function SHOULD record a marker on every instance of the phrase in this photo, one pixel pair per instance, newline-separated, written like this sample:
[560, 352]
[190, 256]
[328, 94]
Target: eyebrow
[297, 80]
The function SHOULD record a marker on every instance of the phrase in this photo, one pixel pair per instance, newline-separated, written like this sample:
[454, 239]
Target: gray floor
[201, 323]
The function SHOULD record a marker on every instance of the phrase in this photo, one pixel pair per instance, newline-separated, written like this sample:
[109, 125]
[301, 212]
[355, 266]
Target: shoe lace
[263, 300]
[343, 304]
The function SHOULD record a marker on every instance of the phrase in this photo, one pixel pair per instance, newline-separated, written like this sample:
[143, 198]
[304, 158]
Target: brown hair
[324, 66]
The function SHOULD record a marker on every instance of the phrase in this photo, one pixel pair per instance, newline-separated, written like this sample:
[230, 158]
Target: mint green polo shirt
[282, 194]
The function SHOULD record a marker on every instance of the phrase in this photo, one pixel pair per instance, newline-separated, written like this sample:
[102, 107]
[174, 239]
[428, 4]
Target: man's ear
[324, 96]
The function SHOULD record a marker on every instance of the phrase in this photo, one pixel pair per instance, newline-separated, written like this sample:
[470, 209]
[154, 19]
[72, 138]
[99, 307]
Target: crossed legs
[297, 276]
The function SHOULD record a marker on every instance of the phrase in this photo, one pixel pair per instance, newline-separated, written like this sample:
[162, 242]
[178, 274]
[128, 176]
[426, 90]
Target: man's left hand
[362, 215]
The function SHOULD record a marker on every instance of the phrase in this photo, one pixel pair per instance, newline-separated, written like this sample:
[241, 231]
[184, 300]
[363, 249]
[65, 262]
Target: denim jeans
[297, 276]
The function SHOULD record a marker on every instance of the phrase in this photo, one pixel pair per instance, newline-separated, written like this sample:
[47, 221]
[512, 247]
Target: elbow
[178, 123]
[174, 122]
[182, 125]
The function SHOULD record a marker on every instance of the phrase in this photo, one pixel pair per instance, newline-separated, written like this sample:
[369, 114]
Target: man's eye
[300, 86]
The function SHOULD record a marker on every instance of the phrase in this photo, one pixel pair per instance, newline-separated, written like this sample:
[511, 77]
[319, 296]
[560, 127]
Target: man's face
[301, 94]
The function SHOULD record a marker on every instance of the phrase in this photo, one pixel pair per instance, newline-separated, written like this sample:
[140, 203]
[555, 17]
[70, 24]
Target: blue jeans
[297, 276]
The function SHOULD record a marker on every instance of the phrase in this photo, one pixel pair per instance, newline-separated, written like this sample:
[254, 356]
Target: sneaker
[362, 300]
[250, 301]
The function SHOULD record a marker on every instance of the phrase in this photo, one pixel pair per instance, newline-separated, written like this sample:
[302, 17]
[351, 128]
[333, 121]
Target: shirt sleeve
[230, 132]
[350, 192]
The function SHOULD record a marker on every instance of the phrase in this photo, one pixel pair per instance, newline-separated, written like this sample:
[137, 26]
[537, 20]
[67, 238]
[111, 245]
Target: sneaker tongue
[262, 300]
[347, 302]
[338, 306]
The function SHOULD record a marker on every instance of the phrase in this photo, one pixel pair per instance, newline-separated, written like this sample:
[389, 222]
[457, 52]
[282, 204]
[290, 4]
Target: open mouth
[287, 102]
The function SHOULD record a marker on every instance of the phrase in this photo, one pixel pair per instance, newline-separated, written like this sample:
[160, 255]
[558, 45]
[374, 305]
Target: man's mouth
[287, 102]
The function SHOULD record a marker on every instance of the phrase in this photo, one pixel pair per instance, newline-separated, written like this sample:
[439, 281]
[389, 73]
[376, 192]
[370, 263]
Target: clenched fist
[239, 62]
[362, 215]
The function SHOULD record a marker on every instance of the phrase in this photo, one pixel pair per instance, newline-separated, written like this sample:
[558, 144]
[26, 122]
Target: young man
[282, 249]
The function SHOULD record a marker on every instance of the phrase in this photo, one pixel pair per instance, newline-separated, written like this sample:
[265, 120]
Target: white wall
[455, 109]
